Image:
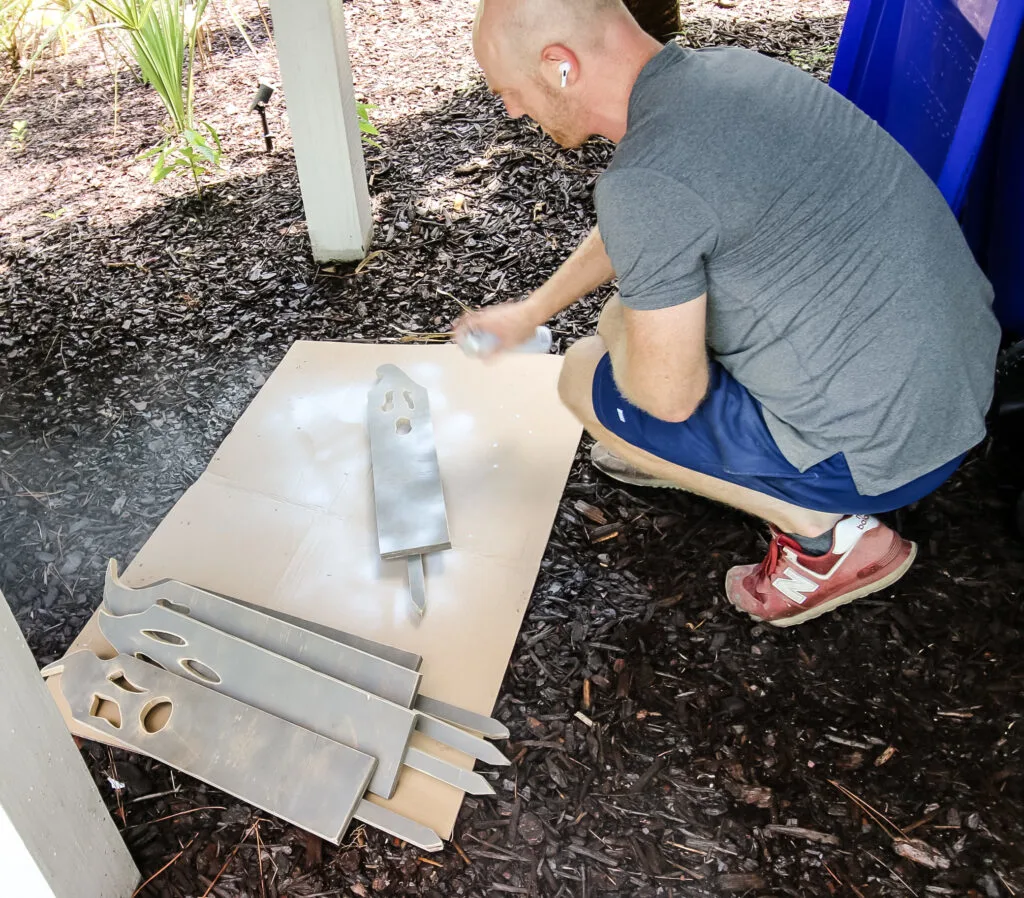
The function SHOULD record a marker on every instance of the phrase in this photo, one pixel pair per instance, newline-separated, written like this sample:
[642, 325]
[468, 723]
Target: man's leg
[792, 584]
[575, 387]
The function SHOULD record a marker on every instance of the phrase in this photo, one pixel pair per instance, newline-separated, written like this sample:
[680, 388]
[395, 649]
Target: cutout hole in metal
[121, 682]
[165, 638]
[142, 656]
[389, 401]
[200, 670]
[105, 709]
[408, 400]
[156, 716]
[174, 606]
[403, 426]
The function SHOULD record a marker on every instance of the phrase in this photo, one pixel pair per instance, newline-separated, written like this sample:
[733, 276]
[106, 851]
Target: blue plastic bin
[942, 77]
[993, 214]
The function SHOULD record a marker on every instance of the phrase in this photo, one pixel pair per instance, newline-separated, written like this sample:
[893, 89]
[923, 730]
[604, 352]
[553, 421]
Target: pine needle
[416, 337]
[893, 872]
[164, 867]
[259, 858]
[117, 791]
[231, 857]
[878, 816]
[209, 807]
[455, 299]
[462, 853]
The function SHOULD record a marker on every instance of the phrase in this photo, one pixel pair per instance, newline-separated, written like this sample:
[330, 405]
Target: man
[800, 332]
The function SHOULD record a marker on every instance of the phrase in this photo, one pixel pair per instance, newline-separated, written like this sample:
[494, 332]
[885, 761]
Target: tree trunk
[659, 18]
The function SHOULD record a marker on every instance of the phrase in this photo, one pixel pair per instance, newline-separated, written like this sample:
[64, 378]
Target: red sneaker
[790, 586]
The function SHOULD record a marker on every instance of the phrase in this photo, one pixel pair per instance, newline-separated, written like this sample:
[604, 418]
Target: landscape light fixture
[264, 91]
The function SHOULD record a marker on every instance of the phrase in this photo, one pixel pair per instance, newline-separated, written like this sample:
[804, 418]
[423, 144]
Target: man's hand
[511, 323]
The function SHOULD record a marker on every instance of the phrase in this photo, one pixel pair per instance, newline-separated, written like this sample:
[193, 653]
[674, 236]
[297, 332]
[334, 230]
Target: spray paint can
[480, 344]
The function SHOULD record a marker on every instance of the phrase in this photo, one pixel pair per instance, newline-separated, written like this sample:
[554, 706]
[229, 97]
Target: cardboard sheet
[284, 517]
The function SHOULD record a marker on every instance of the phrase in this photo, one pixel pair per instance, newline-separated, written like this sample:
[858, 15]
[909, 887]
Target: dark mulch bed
[712, 758]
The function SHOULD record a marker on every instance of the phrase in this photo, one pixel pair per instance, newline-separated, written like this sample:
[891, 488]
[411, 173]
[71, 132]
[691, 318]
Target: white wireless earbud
[565, 68]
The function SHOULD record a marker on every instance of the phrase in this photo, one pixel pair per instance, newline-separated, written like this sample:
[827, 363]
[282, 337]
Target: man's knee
[576, 382]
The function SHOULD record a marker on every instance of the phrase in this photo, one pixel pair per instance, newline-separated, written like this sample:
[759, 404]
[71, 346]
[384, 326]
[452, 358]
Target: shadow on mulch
[708, 752]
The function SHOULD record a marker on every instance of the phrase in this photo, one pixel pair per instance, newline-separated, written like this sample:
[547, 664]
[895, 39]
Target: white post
[56, 838]
[317, 80]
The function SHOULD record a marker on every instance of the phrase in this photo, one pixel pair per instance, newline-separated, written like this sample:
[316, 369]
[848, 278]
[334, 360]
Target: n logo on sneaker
[793, 586]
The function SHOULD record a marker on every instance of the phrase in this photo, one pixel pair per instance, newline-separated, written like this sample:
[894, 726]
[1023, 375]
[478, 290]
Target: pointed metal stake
[417, 584]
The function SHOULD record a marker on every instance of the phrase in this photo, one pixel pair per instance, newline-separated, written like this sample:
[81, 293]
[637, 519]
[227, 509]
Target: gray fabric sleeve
[657, 233]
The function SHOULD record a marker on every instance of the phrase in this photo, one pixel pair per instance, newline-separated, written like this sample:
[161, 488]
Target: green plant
[19, 133]
[33, 25]
[27, 27]
[12, 19]
[366, 127]
[816, 60]
[162, 38]
[192, 150]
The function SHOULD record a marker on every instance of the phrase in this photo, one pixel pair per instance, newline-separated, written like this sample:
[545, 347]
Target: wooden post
[56, 838]
[317, 80]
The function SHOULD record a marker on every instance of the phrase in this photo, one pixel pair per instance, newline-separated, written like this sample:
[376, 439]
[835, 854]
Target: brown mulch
[664, 745]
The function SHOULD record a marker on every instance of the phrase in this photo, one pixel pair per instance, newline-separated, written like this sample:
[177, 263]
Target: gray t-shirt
[841, 292]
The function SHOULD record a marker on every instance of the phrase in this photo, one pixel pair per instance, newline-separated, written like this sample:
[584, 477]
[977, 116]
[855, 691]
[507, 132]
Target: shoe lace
[771, 559]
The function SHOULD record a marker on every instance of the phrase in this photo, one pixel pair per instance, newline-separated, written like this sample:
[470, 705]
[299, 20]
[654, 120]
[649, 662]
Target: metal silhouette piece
[287, 770]
[282, 687]
[291, 772]
[411, 515]
[362, 663]
[340, 660]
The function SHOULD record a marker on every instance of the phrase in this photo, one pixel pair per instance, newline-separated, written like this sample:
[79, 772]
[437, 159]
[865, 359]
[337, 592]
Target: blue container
[993, 214]
[941, 76]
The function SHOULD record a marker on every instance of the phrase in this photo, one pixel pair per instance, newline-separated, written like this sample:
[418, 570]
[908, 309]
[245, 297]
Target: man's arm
[586, 269]
[659, 359]
[514, 322]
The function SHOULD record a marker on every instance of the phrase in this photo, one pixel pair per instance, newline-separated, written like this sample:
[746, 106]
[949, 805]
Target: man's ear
[560, 67]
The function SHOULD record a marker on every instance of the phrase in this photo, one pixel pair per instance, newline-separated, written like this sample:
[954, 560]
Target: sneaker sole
[845, 599]
[638, 481]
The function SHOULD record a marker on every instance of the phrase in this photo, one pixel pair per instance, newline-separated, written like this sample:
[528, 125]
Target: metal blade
[417, 584]
[469, 720]
[460, 739]
[466, 780]
[398, 826]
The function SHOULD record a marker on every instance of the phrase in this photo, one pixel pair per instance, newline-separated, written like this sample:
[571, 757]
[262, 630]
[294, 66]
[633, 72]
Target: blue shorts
[727, 438]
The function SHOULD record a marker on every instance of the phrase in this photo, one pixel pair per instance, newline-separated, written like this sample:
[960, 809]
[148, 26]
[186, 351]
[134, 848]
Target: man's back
[840, 290]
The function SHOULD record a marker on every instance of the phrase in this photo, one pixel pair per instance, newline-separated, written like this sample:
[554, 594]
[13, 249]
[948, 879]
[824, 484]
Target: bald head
[568, 64]
[523, 28]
